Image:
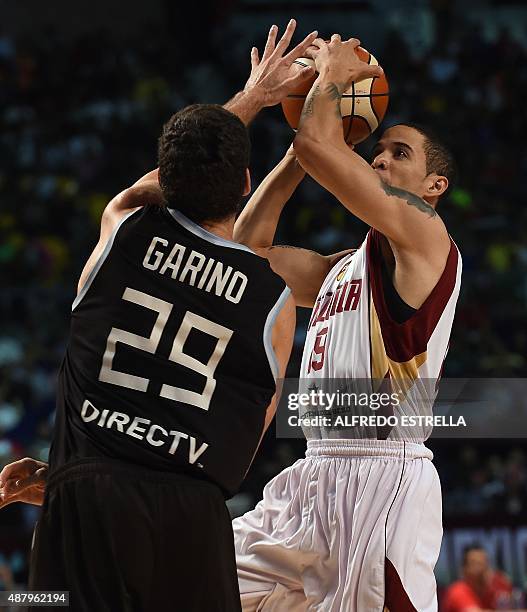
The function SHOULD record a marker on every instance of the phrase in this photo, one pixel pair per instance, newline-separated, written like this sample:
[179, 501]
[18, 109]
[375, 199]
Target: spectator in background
[481, 588]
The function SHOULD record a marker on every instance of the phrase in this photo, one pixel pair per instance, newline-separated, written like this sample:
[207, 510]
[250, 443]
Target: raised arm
[303, 270]
[272, 76]
[407, 220]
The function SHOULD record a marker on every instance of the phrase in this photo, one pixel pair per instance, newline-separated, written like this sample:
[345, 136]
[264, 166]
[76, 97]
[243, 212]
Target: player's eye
[400, 153]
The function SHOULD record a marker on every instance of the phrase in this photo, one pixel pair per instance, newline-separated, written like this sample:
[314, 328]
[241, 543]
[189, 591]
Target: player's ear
[437, 185]
[247, 188]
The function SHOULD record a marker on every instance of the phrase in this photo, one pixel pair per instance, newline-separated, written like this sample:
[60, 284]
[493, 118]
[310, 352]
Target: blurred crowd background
[82, 102]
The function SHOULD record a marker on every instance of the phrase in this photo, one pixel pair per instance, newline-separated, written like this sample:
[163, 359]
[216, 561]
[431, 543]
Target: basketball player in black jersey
[167, 386]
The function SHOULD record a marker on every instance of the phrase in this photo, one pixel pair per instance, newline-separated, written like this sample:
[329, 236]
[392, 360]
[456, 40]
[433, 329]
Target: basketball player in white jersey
[356, 525]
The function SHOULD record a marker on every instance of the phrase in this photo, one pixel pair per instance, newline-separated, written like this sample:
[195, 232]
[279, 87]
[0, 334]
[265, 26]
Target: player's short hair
[439, 159]
[203, 154]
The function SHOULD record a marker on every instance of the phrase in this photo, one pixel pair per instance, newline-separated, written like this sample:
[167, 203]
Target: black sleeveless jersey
[169, 363]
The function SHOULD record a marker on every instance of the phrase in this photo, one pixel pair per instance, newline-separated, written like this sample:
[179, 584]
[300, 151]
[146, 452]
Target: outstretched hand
[337, 58]
[273, 74]
[23, 481]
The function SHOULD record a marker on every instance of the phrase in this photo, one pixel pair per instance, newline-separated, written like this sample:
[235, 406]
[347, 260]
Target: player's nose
[380, 163]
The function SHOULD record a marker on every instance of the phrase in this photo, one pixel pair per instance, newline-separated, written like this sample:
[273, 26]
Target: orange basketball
[363, 105]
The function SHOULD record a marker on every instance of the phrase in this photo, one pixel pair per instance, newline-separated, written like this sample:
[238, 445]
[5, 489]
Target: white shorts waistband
[367, 448]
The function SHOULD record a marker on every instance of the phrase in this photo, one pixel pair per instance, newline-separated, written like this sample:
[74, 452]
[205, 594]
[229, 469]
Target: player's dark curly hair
[439, 159]
[203, 154]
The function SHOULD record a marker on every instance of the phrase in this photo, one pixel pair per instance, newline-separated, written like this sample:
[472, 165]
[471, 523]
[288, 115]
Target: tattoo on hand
[410, 198]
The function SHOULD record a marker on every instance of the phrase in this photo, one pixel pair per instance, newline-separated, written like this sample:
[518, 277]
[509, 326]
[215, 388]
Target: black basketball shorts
[126, 539]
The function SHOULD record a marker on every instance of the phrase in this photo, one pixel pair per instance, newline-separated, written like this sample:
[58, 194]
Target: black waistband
[98, 465]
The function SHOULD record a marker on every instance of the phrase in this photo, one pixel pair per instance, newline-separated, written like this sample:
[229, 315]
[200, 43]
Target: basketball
[363, 105]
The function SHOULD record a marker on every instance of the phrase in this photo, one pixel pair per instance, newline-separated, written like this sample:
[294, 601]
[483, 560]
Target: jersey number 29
[150, 344]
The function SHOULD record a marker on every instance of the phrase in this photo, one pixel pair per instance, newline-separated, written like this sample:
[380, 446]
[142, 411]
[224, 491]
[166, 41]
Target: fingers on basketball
[301, 49]
[363, 105]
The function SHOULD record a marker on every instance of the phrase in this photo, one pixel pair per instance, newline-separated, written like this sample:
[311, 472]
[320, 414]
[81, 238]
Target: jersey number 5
[316, 361]
[150, 344]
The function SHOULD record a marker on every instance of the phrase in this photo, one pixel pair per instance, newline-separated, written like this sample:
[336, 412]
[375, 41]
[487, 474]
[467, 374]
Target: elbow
[304, 141]
[306, 148]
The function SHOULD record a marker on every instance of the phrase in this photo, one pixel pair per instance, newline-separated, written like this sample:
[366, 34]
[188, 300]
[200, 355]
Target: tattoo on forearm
[334, 93]
[410, 198]
[309, 103]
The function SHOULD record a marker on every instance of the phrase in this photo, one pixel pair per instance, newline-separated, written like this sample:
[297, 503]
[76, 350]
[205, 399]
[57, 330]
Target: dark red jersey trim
[395, 597]
[403, 341]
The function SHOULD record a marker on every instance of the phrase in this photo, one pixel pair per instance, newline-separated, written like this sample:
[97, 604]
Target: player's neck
[223, 229]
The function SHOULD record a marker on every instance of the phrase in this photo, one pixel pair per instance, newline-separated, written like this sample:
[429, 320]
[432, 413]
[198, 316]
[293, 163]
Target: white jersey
[354, 347]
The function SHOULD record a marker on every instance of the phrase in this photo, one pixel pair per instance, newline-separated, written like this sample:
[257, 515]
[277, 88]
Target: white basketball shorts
[352, 527]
